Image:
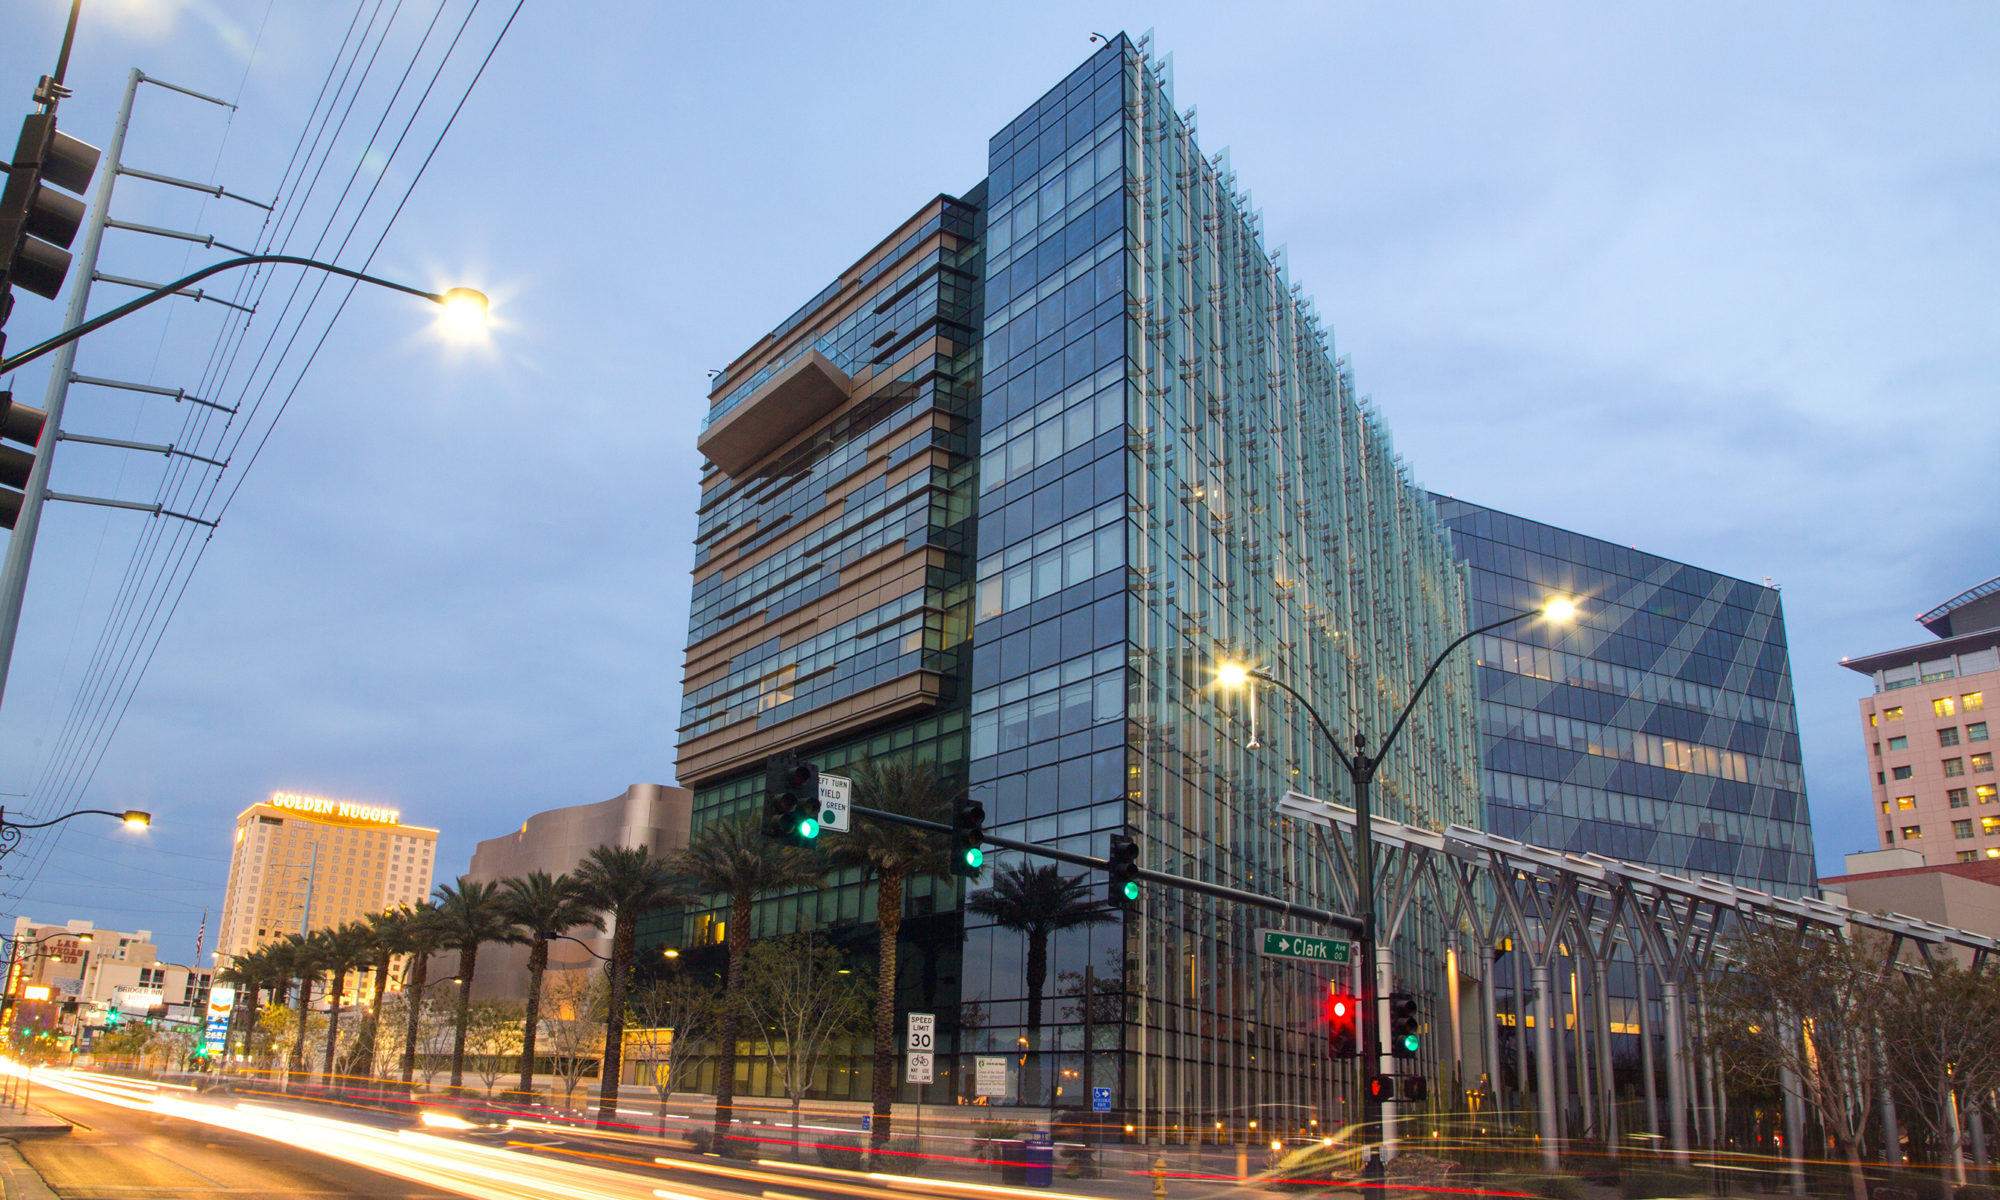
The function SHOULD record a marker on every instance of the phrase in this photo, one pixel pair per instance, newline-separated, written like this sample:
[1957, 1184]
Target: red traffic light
[1343, 1035]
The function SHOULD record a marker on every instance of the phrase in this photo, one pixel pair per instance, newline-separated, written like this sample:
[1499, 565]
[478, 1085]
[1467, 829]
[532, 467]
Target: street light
[10, 831]
[463, 307]
[1361, 767]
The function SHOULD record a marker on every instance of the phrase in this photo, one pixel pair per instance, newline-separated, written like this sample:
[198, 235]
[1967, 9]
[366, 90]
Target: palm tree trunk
[623, 940]
[373, 1028]
[725, 1059]
[413, 987]
[1038, 974]
[299, 1039]
[333, 1023]
[888, 926]
[467, 959]
[538, 962]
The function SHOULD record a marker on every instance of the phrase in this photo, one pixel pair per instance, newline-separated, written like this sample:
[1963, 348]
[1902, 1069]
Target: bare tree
[573, 1004]
[670, 1020]
[493, 1039]
[1942, 1035]
[1806, 1004]
[801, 1004]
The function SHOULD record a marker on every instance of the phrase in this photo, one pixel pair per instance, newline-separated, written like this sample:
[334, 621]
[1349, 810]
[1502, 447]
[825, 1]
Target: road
[117, 1153]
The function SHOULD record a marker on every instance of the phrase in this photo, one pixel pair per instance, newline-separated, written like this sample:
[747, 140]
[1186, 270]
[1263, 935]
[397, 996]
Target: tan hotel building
[1928, 733]
[305, 862]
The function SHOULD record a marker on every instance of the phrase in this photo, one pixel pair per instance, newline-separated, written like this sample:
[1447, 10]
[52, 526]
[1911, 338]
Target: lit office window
[1906, 802]
[1893, 714]
[1982, 763]
[1943, 706]
[1973, 701]
[1912, 832]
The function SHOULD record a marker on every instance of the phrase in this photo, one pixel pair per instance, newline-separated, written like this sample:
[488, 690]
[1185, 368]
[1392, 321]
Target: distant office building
[303, 862]
[1660, 730]
[1929, 743]
[1963, 895]
[649, 815]
[999, 497]
[72, 975]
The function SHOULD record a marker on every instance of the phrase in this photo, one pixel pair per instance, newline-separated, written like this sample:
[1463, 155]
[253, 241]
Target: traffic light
[791, 800]
[18, 423]
[1381, 1089]
[1343, 1035]
[111, 1017]
[968, 830]
[1413, 1089]
[37, 221]
[1403, 1022]
[1124, 859]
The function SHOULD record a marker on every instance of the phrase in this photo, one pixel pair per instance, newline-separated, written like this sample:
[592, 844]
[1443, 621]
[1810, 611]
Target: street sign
[1100, 1099]
[923, 1031]
[989, 1077]
[1279, 943]
[834, 792]
[919, 1065]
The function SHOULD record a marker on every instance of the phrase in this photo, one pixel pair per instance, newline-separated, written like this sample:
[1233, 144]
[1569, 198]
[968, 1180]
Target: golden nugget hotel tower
[305, 862]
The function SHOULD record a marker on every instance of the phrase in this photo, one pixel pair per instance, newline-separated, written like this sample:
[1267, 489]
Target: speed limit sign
[923, 1032]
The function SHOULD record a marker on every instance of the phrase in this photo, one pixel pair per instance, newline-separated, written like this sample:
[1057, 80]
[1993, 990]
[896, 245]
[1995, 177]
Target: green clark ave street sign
[1280, 944]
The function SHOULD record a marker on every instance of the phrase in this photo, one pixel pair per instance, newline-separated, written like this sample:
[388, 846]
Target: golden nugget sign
[340, 809]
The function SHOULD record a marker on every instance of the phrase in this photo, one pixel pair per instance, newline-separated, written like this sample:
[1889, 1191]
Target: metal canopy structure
[1589, 910]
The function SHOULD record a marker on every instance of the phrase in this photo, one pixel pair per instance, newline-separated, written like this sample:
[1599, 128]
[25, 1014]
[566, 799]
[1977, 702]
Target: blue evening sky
[1718, 281]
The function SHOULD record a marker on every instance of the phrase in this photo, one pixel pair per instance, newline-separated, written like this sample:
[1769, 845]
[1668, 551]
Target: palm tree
[542, 908]
[303, 956]
[423, 934]
[472, 916]
[347, 947]
[250, 973]
[626, 882]
[1037, 901]
[735, 859]
[385, 942]
[890, 854]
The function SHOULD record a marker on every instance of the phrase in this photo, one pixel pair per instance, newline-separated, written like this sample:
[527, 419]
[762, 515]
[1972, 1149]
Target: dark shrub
[842, 1152]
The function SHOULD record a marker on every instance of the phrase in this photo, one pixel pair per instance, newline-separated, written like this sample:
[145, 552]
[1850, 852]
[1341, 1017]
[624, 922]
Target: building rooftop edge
[1868, 664]
[334, 821]
[1437, 495]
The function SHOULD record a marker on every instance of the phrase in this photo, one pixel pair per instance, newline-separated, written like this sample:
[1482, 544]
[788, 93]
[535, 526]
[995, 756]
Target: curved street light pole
[1361, 767]
[10, 831]
[21, 545]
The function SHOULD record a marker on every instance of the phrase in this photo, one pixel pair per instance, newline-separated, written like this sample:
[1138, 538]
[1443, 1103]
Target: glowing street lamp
[1361, 767]
[10, 831]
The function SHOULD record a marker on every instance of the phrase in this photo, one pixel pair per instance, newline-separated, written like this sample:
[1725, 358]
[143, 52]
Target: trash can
[1039, 1168]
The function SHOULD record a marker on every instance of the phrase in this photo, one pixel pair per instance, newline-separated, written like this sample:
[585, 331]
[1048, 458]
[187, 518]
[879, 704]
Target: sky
[1718, 281]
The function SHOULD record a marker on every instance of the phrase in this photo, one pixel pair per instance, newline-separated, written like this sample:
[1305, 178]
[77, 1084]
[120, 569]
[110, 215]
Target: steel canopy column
[1545, 1066]
[1677, 1068]
[1646, 1057]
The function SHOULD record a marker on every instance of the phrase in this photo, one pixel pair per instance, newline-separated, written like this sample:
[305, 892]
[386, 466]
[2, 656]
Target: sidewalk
[36, 1122]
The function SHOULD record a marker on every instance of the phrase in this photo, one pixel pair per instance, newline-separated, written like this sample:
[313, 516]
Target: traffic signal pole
[21, 545]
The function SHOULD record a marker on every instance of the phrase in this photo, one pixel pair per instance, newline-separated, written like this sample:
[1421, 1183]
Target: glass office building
[1660, 730]
[1001, 496]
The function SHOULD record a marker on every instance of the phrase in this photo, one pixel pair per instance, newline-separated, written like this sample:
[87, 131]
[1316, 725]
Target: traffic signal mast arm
[1199, 886]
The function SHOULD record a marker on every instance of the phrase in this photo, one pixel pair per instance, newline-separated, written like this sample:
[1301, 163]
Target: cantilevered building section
[999, 497]
[1660, 730]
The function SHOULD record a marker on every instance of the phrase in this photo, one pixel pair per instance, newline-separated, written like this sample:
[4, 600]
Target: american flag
[200, 936]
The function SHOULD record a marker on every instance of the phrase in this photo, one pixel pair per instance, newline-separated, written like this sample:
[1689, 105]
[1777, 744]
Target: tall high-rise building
[1000, 496]
[303, 862]
[1661, 730]
[1928, 738]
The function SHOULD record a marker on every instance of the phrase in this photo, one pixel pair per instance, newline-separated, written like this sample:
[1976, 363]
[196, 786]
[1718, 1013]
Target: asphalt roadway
[118, 1154]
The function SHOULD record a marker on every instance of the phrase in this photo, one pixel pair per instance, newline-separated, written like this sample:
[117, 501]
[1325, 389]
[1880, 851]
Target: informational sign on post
[1279, 943]
[215, 1031]
[1100, 1099]
[834, 793]
[920, 1043]
[989, 1077]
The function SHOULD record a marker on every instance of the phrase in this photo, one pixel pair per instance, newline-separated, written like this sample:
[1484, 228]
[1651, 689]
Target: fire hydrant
[1160, 1178]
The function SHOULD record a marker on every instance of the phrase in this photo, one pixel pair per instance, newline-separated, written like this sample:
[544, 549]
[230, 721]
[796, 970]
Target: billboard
[221, 1001]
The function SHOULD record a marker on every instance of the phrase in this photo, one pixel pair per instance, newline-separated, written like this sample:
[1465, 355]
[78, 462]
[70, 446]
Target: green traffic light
[1131, 890]
[808, 829]
[1410, 1042]
[974, 857]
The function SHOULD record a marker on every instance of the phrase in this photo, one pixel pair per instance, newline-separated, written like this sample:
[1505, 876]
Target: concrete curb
[20, 1180]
